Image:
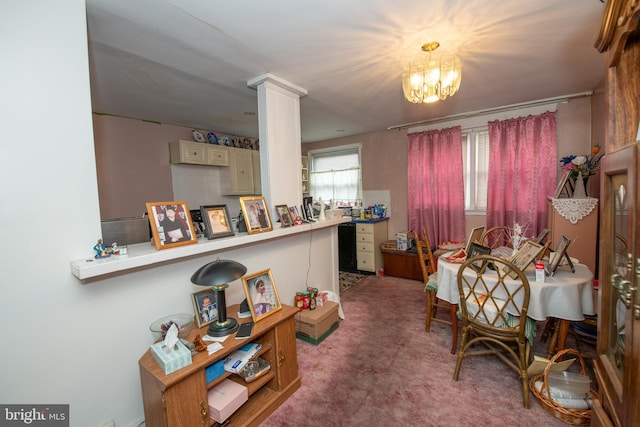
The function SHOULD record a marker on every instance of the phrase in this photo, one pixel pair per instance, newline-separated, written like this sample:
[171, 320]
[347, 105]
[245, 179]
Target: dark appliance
[347, 247]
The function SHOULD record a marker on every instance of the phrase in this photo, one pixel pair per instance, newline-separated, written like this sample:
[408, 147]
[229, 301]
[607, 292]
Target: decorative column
[280, 139]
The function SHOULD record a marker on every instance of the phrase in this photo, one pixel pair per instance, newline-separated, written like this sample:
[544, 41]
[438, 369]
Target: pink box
[225, 398]
[321, 299]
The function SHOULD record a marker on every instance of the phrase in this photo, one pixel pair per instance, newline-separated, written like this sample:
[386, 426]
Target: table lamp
[217, 275]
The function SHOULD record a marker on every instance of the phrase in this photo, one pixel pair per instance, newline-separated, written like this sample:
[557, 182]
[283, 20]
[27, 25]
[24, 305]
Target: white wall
[67, 342]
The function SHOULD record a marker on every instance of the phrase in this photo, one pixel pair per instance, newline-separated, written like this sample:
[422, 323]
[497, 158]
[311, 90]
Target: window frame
[336, 151]
[470, 140]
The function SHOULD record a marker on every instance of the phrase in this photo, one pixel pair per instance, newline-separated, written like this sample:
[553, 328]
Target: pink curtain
[436, 185]
[522, 171]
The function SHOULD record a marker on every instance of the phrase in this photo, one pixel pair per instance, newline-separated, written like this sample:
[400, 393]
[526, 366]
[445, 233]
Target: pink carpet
[380, 368]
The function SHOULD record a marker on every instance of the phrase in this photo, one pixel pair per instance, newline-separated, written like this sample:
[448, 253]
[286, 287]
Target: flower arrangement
[583, 165]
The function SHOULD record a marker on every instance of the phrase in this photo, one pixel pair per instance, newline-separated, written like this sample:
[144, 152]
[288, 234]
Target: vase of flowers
[581, 168]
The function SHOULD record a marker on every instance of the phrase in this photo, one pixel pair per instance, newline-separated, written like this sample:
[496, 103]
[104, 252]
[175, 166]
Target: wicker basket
[578, 417]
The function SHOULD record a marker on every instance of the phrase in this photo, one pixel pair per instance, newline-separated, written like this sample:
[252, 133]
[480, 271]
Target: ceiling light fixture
[431, 78]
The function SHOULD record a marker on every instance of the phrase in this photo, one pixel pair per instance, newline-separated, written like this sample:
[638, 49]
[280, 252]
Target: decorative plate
[223, 140]
[451, 246]
[198, 136]
[213, 139]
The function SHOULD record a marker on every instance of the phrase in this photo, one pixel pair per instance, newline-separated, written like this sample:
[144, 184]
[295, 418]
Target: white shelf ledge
[143, 255]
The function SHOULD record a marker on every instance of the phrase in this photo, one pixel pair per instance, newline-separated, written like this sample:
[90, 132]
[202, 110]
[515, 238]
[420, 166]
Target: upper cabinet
[196, 153]
[242, 177]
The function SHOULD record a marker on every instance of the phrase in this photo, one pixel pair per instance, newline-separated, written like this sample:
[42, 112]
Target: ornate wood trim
[620, 19]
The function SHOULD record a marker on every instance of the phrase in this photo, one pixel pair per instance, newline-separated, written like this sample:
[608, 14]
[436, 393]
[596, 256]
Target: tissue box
[403, 242]
[315, 325]
[171, 362]
[225, 398]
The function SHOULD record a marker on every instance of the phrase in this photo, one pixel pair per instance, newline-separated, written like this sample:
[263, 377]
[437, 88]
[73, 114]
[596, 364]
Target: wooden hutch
[617, 363]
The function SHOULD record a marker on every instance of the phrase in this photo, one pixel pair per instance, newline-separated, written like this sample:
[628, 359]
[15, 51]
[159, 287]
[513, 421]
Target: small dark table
[400, 263]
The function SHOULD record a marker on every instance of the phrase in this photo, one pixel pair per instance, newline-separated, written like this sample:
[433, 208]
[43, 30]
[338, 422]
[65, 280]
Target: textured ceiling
[187, 62]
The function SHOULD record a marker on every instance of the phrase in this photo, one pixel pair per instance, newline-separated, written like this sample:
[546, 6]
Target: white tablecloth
[566, 295]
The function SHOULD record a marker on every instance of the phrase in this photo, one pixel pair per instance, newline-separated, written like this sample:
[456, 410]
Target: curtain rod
[493, 110]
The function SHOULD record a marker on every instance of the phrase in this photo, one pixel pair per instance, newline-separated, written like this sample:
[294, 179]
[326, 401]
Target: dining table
[566, 296]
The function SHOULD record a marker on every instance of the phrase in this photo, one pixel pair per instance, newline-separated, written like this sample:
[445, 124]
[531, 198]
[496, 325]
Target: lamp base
[222, 329]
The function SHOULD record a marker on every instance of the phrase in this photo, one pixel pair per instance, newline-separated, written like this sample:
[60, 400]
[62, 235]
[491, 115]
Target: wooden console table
[400, 263]
[180, 398]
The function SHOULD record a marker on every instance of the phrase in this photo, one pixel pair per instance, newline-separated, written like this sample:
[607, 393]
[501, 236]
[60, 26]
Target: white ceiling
[187, 62]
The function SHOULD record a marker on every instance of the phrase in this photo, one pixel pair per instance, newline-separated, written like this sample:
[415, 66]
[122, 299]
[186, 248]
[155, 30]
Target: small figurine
[101, 250]
[199, 343]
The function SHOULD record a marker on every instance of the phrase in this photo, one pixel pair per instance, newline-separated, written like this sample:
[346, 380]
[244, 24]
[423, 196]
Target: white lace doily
[573, 210]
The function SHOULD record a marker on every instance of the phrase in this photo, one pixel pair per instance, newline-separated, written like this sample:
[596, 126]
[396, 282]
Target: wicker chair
[497, 236]
[428, 266]
[494, 312]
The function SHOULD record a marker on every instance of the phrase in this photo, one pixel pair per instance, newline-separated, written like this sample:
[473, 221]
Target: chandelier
[429, 78]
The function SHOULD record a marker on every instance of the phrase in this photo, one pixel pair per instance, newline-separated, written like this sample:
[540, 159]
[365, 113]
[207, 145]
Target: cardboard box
[403, 242]
[225, 398]
[314, 324]
[171, 362]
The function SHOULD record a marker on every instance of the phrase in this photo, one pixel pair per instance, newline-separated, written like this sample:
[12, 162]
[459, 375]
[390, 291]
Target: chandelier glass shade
[430, 77]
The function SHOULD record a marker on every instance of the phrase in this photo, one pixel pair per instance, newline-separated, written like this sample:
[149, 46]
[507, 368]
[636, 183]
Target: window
[475, 158]
[335, 174]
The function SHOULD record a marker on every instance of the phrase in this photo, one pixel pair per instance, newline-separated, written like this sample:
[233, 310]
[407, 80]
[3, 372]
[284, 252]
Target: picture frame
[477, 249]
[474, 236]
[205, 307]
[564, 179]
[543, 235]
[256, 215]
[216, 221]
[284, 215]
[262, 295]
[196, 220]
[559, 254]
[525, 256]
[293, 211]
[171, 224]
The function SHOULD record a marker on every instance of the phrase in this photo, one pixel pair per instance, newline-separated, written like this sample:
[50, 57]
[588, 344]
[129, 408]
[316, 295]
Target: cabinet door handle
[281, 358]
[203, 413]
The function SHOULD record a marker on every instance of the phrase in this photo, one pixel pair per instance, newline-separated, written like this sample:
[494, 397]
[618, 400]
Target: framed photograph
[256, 214]
[474, 236]
[205, 307]
[196, 220]
[525, 256]
[216, 221]
[543, 235]
[561, 184]
[284, 215]
[477, 249]
[261, 293]
[171, 224]
[293, 211]
[559, 254]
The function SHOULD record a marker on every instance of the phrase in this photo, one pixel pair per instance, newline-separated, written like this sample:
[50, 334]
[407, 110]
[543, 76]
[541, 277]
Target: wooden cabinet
[180, 398]
[305, 175]
[368, 239]
[578, 224]
[617, 362]
[242, 177]
[196, 153]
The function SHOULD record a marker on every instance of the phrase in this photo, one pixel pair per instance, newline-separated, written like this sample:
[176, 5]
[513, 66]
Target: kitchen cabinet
[617, 360]
[242, 177]
[196, 153]
[369, 236]
[181, 398]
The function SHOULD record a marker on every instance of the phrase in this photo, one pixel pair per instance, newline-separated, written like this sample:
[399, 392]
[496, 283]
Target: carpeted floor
[380, 368]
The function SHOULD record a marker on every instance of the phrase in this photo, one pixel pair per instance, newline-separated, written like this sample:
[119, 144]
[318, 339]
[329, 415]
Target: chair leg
[454, 327]
[427, 324]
